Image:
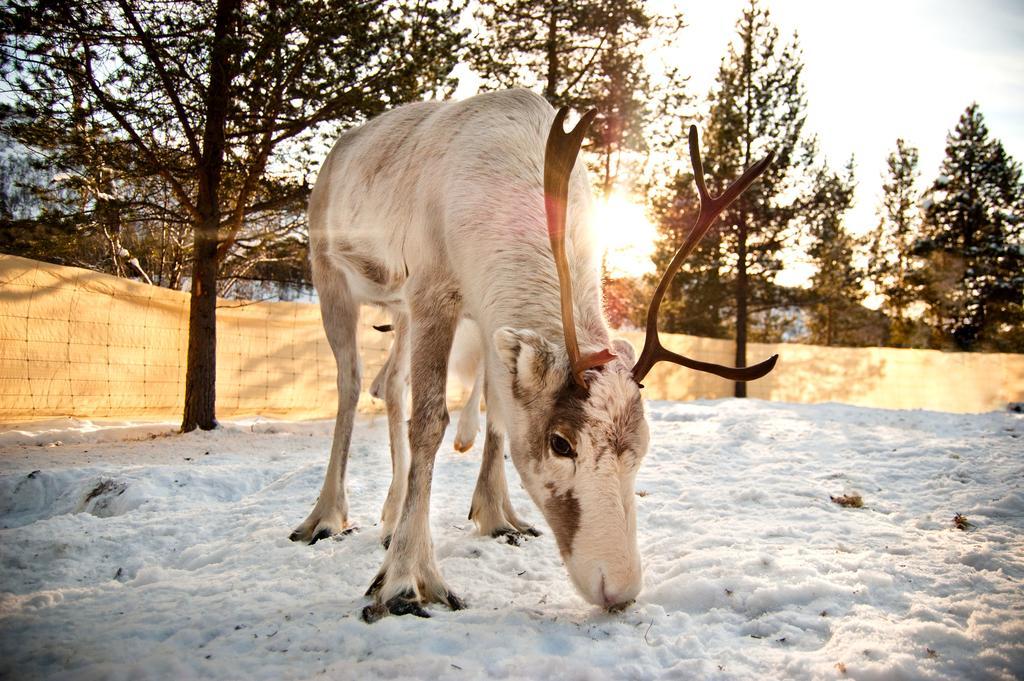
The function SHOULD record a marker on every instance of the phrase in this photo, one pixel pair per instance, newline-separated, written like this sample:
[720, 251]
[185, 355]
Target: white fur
[467, 364]
[435, 211]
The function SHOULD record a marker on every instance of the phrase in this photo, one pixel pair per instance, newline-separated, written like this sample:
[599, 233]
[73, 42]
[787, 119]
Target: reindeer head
[578, 428]
[577, 451]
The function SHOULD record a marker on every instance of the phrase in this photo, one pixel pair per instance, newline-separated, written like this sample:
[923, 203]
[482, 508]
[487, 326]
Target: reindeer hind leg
[394, 383]
[491, 508]
[469, 418]
[466, 361]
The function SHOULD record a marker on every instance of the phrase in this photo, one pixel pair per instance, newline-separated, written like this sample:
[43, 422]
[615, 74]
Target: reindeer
[437, 211]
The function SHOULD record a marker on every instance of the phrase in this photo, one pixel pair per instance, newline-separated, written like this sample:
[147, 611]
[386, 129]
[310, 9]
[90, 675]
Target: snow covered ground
[129, 551]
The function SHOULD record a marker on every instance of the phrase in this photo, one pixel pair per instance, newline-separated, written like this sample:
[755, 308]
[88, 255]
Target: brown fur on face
[568, 413]
[563, 514]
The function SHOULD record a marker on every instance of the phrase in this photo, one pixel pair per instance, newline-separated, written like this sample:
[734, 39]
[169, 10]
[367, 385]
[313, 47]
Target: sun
[625, 235]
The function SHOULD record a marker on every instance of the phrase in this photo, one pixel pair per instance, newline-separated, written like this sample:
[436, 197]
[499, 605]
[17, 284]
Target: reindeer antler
[559, 158]
[710, 207]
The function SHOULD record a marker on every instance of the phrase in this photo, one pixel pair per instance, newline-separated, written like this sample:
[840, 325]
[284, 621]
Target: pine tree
[699, 300]
[592, 54]
[757, 104]
[620, 93]
[892, 263]
[583, 54]
[19, 182]
[837, 284]
[29, 224]
[214, 105]
[974, 276]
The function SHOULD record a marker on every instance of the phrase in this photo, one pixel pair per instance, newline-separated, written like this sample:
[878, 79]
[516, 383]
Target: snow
[129, 551]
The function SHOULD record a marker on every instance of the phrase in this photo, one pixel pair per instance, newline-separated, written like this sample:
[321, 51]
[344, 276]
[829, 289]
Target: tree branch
[257, 167]
[280, 201]
[111, 107]
[154, 58]
[586, 67]
[237, 215]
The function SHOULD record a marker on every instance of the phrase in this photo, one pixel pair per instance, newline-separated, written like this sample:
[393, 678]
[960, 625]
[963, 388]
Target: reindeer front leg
[409, 577]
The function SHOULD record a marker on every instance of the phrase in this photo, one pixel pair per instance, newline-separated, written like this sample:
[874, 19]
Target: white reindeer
[437, 211]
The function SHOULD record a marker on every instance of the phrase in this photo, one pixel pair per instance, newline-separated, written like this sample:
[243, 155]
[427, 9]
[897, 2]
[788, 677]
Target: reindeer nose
[616, 599]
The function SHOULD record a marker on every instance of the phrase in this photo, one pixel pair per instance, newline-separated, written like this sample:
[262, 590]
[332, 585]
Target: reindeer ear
[528, 357]
[624, 349]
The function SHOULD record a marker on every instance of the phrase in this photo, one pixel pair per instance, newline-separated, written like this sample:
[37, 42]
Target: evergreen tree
[583, 54]
[757, 104]
[974, 273]
[620, 93]
[837, 284]
[19, 182]
[698, 301]
[213, 105]
[892, 263]
[28, 226]
[591, 54]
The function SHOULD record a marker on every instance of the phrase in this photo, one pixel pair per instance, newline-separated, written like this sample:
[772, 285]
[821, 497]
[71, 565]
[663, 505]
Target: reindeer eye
[561, 447]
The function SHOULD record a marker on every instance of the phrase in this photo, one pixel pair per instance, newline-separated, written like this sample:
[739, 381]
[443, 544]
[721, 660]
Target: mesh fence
[79, 343]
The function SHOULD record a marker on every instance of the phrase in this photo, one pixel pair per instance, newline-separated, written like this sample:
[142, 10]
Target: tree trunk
[741, 304]
[551, 87]
[607, 186]
[201, 370]
[742, 285]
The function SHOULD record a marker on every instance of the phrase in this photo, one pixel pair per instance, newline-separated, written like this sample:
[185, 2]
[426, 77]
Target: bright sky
[874, 70]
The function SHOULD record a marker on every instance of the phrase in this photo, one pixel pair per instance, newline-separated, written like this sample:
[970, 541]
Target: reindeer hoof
[514, 537]
[463, 446]
[325, 533]
[372, 613]
[322, 534]
[321, 525]
[402, 604]
[454, 602]
[406, 604]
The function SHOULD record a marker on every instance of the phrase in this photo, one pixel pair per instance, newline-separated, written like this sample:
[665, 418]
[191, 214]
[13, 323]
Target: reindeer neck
[540, 312]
